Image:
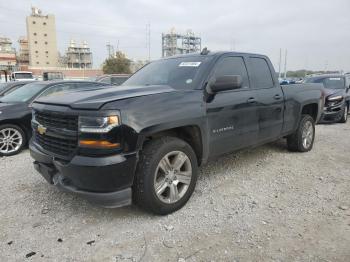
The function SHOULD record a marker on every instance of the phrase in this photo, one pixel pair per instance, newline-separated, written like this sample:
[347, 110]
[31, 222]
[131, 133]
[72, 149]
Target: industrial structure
[38, 53]
[41, 33]
[174, 43]
[78, 56]
[7, 55]
[23, 53]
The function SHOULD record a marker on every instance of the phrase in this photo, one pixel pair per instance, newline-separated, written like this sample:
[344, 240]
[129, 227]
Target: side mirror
[224, 83]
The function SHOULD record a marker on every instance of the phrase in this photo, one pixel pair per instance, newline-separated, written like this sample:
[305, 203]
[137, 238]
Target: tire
[12, 140]
[344, 117]
[296, 141]
[150, 174]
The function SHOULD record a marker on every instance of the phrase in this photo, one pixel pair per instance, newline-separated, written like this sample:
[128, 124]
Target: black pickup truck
[144, 140]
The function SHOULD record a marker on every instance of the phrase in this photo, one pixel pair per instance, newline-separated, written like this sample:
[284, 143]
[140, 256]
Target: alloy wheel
[307, 134]
[10, 140]
[345, 113]
[173, 177]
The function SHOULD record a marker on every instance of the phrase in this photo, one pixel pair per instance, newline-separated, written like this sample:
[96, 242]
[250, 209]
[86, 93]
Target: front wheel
[344, 117]
[302, 139]
[12, 140]
[166, 175]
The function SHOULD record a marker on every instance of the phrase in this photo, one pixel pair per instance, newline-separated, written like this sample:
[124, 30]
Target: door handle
[277, 97]
[251, 100]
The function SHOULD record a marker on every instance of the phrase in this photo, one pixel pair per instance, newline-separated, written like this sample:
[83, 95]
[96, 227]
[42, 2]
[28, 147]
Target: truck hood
[95, 99]
[7, 109]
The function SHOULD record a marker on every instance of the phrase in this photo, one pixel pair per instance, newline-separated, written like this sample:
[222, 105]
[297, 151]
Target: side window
[233, 65]
[261, 73]
[106, 80]
[86, 86]
[118, 80]
[57, 89]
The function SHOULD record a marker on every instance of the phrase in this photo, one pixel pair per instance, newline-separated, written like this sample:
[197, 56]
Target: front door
[232, 118]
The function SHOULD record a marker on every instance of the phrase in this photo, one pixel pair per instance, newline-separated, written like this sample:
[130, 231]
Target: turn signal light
[98, 144]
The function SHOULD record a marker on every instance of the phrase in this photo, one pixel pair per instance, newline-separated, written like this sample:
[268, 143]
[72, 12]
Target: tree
[119, 64]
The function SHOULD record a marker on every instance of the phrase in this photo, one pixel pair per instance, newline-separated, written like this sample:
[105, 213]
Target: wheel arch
[311, 109]
[18, 123]
[189, 133]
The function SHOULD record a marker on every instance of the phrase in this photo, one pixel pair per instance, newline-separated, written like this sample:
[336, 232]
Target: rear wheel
[166, 175]
[344, 117]
[12, 140]
[302, 139]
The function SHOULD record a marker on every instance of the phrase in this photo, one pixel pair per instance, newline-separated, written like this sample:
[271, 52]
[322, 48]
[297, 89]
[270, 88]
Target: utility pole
[279, 64]
[148, 38]
[118, 45]
[110, 50]
[285, 65]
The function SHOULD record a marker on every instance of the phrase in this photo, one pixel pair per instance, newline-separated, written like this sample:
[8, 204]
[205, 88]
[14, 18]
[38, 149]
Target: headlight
[334, 98]
[88, 124]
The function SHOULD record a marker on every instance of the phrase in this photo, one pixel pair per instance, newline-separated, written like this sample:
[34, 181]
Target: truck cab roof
[212, 53]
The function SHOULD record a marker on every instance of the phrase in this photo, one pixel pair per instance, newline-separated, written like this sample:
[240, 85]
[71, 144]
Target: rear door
[270, 100]
[232, 117]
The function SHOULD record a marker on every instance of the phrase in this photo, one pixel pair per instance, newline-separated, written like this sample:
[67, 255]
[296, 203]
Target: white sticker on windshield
[335, 78]
[191, 64]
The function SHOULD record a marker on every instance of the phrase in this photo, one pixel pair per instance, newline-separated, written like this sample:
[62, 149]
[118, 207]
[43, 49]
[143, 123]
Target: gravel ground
[265, 204]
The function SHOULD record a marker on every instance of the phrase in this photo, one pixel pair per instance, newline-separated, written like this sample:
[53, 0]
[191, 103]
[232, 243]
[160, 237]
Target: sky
[315, 33]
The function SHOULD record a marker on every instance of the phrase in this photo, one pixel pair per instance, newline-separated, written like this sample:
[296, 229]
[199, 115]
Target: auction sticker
[190, 64]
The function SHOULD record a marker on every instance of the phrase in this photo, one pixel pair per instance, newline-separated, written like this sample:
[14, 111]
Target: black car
[16, 113]
[6, 88]
[337, 96]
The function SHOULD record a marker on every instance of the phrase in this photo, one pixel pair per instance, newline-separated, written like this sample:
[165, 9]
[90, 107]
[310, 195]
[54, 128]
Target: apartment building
[41, 33]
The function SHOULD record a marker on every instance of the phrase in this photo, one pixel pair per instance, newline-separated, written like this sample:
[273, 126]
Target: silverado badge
[41, 129]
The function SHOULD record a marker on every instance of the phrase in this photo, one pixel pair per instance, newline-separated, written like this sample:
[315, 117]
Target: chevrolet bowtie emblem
[41, 129]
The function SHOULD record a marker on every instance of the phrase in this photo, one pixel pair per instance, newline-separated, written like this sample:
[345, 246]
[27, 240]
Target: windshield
[328, 82]
[179, 73]
[23, 93]
[2, 86]
[23, 76]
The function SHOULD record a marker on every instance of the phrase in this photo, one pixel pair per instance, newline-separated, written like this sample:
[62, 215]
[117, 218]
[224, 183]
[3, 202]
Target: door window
[261, 74]
[86, 86]
[56, 89]
[106, 80]
[118, 80]
[233, 65]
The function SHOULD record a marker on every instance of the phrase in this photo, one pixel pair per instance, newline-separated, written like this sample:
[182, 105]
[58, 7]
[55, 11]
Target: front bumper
[332, 114]
[104, 181]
